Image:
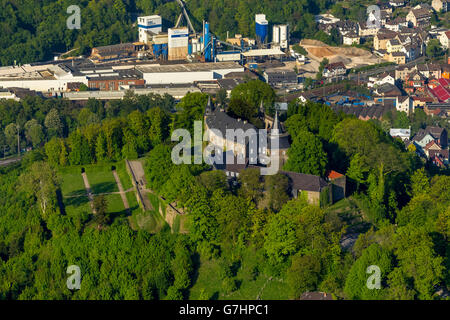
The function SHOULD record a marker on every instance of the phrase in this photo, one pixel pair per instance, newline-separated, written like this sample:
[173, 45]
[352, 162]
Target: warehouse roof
[188, 67]
[263, 52]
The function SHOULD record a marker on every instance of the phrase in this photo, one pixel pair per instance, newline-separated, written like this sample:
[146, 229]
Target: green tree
[277, 188]
[356, 283]
[434, 48]
[306, 155]
[251, 93]
[34, 132]
[420, 183]
[303, 275]
[100, 205]
[53, 123]
[250, 184]
[42, 182]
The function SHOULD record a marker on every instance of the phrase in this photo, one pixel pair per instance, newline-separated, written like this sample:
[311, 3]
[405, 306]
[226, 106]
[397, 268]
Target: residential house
[440, 134]
[351, 38]
[444, 39]
[431, 133]
[388, 90]
[396, 57]
[379, 80]
[334, 69]
[346, 27]
[405, 104]
[396, 24]
[381, 38]
[419, 17]
[393, 45]
[425, 6]
[414, 82]
[441, 5]
[338, 183]
[365, 31]
[429, 70]
[411, 52]
[313, 188]
[445, 71]
[397, 3]
[403, 134]
[402, 72]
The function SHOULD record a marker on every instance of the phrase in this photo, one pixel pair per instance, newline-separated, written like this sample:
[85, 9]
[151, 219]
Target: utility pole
[18, 140]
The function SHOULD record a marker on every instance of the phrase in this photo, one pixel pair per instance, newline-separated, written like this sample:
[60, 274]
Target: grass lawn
[207, 280]
[101, 178]
[150, 221]
[124, 176]
[77, 205]
[72, 182]
[115, 204]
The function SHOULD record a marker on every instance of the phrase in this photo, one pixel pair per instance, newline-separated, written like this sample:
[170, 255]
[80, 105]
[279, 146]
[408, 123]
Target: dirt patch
[352, 57]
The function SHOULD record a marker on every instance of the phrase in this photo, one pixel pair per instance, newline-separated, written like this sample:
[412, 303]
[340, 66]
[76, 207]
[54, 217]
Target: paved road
[8, 161]
[121, 190]
[88, 191]
[138, 179]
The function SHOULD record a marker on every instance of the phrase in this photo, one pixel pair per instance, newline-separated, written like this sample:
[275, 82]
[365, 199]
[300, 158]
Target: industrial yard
[351, 57]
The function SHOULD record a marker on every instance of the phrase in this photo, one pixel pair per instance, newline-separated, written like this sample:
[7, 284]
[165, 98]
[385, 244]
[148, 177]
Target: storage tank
[262, 27]
[276, 35]
[284, 35]
[178, 43]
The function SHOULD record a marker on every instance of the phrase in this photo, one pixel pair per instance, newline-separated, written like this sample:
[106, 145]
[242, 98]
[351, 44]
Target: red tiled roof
[429, 144]
[441, 93]
[444, 82]
[331, 175]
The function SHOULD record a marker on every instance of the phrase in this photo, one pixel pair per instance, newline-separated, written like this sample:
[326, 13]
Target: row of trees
[38, 120]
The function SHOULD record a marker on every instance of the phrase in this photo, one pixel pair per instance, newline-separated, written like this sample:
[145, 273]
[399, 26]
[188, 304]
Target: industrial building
[39, 77]
[149, 26]
[118, 51]
[178, 43]
[280, 36]
[280, 78]
[112, 80]
[187, 73]
[262, 28]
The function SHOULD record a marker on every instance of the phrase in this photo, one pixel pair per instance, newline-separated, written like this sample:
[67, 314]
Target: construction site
[351, 57]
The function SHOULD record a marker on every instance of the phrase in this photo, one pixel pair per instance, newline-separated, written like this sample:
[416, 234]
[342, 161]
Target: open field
[352, 57]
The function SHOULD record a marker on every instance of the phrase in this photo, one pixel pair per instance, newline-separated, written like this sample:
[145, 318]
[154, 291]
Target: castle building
[217, 121]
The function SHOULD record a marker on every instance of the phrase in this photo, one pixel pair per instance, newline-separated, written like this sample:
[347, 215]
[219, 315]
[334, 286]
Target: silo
[262, 27]
[276, 35]
[178, 43]
[284, 36]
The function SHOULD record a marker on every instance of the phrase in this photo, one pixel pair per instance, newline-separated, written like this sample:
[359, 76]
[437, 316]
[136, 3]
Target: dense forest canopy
[36, 30]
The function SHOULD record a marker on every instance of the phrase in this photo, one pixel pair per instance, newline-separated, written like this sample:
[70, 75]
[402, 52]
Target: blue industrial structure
[262, 28]
[161, 50]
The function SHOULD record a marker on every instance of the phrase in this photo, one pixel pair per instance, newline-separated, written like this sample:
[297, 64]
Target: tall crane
[186, 16]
